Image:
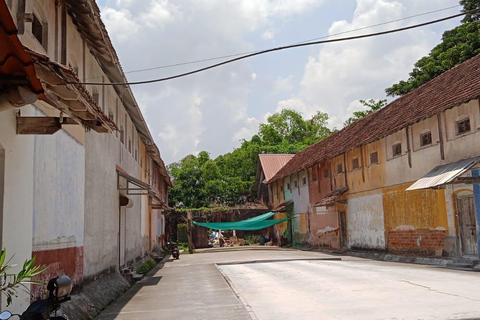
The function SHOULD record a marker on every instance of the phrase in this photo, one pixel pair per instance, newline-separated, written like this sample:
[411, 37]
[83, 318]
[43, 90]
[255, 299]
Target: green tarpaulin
[255, 223]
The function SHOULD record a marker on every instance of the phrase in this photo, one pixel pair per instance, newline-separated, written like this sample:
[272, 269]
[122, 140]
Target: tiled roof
[272, 163]
[14, 60]
[331, 197]
[452, 88]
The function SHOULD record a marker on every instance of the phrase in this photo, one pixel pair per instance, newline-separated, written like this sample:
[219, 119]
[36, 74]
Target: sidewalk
[193, 287]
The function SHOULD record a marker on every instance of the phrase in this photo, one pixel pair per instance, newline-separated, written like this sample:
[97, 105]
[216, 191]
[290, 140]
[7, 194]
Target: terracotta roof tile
[452, 88]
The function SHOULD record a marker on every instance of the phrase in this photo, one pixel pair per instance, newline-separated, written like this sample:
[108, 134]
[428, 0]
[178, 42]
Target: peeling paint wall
[324, 228]
[365, 222]
[101, 250]
[58, 205]
[301, 208]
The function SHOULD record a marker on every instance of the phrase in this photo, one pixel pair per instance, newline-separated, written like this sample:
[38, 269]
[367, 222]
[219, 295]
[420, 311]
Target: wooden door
[467, 225]
[343, 229]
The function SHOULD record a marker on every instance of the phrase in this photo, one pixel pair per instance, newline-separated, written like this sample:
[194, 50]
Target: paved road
[297, 285]
[355, 289]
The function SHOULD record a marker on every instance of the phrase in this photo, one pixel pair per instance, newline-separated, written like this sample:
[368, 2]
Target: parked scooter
[59, 290]
[175, 253]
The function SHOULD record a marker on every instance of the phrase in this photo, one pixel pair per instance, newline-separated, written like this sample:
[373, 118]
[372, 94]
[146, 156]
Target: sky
[216, 109]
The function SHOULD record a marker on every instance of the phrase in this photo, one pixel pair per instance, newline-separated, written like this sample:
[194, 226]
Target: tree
[372, 105]
[228, 180]
[457, 46]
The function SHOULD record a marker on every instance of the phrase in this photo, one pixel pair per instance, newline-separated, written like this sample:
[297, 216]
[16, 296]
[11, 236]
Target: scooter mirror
[5, 315]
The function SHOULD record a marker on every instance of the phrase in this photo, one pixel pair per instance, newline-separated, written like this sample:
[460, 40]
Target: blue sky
[214, 110]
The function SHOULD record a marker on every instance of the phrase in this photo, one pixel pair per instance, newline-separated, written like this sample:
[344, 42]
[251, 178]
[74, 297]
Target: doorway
[343, 229]
[122, 238]
[467, 225]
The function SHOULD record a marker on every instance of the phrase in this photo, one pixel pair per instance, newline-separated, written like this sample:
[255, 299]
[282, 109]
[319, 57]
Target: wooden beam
[41, 125]
[466, 180]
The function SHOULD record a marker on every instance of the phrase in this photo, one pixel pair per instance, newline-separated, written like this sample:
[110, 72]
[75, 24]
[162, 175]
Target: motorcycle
[175, 252]
[59, 292]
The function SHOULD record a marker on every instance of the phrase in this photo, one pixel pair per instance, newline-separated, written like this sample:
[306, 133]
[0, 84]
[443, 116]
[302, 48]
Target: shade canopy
[255, 223]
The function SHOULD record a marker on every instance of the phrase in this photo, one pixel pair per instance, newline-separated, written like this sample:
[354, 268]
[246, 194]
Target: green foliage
[373, 106]
[457, 46]
[146, 267]
[470, 5]
[228, 180]
[11, 282]
[252, 239]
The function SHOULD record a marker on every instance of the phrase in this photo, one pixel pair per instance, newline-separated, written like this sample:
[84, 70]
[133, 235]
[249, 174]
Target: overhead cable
[370, 35]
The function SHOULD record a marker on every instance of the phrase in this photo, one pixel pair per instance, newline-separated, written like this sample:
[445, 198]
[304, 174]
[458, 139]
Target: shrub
[146, 267]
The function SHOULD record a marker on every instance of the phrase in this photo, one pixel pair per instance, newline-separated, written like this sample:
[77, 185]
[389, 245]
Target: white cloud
[214, 109]
[268, 35]
[161, 13]
[341, 74]
[282, 85]
[120, 23]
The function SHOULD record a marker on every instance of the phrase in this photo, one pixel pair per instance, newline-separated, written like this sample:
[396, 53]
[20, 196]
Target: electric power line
[278, 49]
[322, 37]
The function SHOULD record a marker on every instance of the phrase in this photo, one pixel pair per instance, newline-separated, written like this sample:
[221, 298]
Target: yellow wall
[418, 208]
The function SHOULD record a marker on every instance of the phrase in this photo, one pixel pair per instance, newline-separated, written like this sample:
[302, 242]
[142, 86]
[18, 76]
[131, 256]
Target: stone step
[137, 277]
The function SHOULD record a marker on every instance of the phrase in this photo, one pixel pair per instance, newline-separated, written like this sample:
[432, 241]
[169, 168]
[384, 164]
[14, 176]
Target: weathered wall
[103, 153]
[58, 216]
[16, 218]
[324, 228]
[301, 209]
[420, 213]
[365, 222]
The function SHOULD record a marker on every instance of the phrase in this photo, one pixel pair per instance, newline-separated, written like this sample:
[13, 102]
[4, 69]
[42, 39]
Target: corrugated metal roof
[444, 174]
[450, 89]
[272, 163]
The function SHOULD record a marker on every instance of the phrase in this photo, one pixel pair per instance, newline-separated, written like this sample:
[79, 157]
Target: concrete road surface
[291, 284]
[355, 289]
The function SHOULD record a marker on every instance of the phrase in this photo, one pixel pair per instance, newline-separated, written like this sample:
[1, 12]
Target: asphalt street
[290, 284]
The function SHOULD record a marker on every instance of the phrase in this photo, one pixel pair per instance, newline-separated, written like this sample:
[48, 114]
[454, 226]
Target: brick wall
[425, 242]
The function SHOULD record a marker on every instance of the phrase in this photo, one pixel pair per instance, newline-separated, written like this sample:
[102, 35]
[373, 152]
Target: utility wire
[322, 37]
[280, 48]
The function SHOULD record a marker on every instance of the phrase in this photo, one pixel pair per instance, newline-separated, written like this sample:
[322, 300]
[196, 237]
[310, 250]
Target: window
[122, 135]
[96, 96]
[374, 158]
[295, 183]
[397, 149]
[304, 181]
[326, 173]
[339, 168]
[37, 29]
[355, 164]
[425, 139]
[110, 114]
[288, 185]
[463, 126]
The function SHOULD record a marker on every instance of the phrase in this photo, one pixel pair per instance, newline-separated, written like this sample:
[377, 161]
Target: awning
[132, 185]
[255, 223]
[331, 197]
[282, 206]
[240, 225]
[444, 174]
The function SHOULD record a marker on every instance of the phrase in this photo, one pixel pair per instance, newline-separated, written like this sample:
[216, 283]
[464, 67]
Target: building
[402, 180]
[82, 184]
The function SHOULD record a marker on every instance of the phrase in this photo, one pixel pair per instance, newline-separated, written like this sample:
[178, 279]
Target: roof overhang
[446, 174]
[131, 185]
[331, 197]
[282, 206]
